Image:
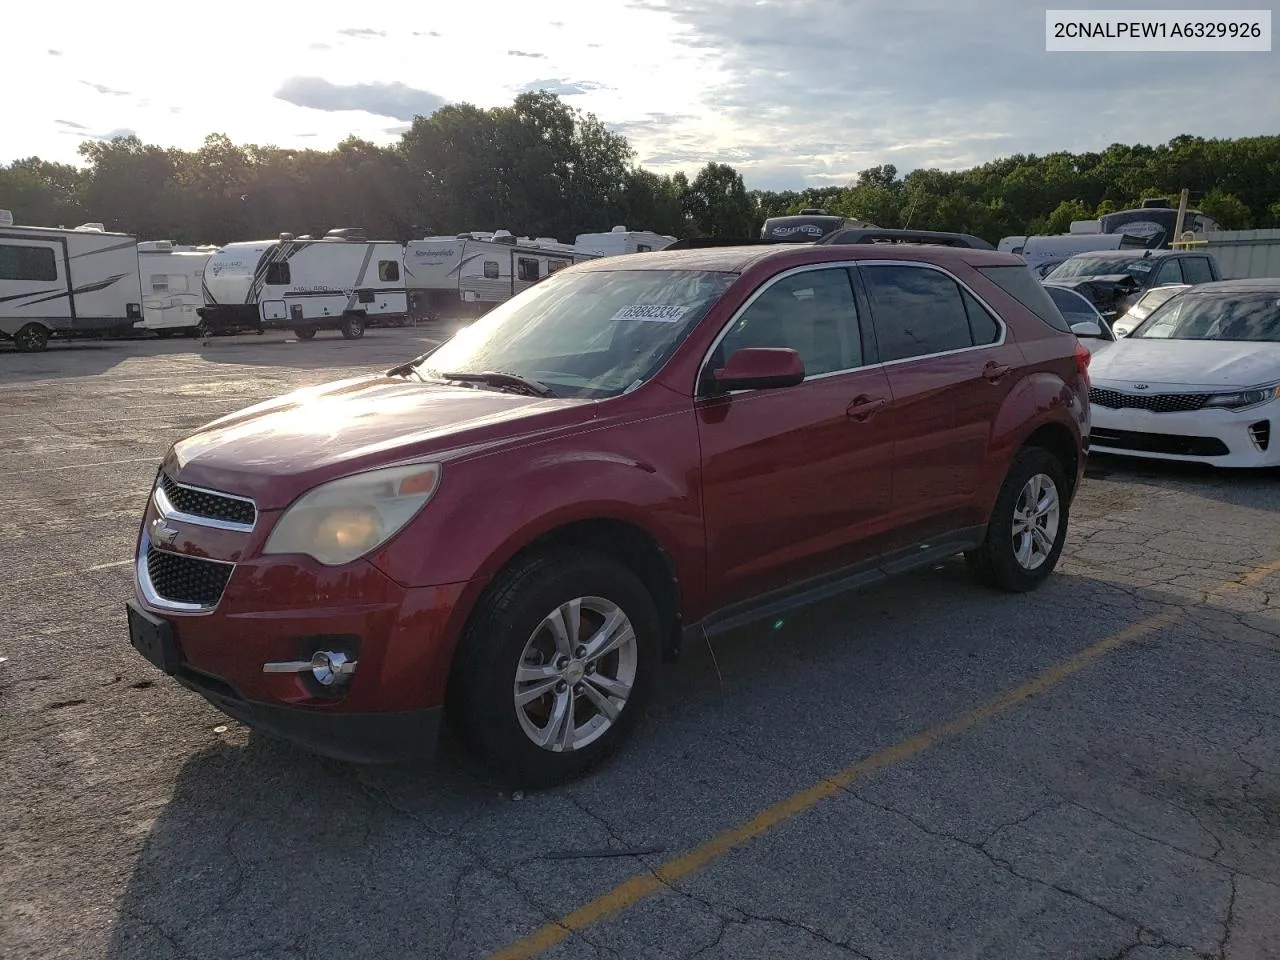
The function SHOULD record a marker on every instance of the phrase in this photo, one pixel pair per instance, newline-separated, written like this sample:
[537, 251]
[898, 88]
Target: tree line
[542, 168]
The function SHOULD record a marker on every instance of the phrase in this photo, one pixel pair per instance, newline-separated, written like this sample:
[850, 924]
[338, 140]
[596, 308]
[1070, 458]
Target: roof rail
[877, 235]
[699, 243]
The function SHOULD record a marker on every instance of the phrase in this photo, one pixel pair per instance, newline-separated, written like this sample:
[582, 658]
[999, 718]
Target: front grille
[1260, 432]
[212, 506]
[1155, 402]
[1170, 443]
[179, 578]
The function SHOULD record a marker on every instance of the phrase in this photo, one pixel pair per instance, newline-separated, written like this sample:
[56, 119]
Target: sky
[793, 93]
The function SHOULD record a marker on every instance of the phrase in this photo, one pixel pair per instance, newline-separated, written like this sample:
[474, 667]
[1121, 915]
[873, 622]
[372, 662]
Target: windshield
[1136, 267]
[591, 334]
[1252, 317]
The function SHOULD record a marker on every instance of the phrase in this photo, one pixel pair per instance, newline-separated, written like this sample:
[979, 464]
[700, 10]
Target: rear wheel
[352, 326]
[304, 333]
[556, 666]
[202, 331]
[32, 338]
[1028, 526]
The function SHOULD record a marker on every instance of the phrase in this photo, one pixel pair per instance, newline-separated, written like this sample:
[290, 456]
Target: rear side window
[917, 311]
[984, 328]
[1197, 270]
[1018, 283]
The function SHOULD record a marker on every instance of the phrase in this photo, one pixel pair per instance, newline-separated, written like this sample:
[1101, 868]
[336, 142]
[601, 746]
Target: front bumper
[1222, 438]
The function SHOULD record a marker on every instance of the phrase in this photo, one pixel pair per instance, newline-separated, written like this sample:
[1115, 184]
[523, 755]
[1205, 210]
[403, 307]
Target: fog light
[329, 668]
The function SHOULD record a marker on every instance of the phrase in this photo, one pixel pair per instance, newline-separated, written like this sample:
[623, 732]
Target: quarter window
[918, 312]
[388, 271]
[812, 312]
[983, 327]
[28, 263]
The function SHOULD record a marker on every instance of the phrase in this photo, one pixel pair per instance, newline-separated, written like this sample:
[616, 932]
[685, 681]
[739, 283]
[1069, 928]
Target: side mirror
[760, 368]
[1087, 328]
[1122, 330]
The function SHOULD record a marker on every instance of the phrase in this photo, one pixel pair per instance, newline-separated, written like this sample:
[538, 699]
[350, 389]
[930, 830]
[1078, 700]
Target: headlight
[1246, 398]
[343, 520]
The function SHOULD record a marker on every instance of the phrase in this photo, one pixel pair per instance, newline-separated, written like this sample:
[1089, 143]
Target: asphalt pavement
[925, 770]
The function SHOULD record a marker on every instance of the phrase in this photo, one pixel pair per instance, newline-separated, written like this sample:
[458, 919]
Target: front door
[796, 480]
[950, 367]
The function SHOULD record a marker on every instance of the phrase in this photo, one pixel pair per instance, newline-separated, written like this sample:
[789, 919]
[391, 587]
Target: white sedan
[1198, 380]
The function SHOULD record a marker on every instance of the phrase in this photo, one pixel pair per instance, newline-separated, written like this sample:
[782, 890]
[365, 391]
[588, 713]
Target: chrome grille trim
[165, 505]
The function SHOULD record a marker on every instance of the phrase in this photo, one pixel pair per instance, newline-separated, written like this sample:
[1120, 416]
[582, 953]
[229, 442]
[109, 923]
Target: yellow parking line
[645, 885]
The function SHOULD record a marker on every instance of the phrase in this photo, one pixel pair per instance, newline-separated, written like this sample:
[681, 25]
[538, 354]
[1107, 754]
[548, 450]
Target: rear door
[796, 480]
[950, 366]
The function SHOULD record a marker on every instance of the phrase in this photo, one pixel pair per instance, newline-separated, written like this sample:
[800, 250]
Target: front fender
[492, 506]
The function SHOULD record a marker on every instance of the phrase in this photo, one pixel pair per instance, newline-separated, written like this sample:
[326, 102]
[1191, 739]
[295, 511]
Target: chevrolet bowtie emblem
[161, 533]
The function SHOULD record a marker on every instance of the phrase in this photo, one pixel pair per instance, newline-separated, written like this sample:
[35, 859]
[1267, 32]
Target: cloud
[55, 53]
[71, 124]
[362, 33]
[429, 33]
[831, 88]
[652, 125]
[562, 87]
[398, 128]
[319, 46]
[557, 23]
[107, 91]
[384, 99]
[530, 56]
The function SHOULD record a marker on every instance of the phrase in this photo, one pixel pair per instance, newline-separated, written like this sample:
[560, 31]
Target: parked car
[515, 529]
[1086, 322]
[1044, 267]
[1114, 280]
[1144, 306]
[1197, 380]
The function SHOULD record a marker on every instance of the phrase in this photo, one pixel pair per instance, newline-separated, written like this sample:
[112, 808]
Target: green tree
[1059, 221]
[1228, 209]
[717, 203]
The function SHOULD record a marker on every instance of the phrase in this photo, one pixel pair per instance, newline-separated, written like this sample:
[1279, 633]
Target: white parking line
[69, 573]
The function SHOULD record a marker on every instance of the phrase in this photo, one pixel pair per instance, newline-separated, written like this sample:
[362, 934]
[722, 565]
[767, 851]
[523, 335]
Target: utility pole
[1182, 215]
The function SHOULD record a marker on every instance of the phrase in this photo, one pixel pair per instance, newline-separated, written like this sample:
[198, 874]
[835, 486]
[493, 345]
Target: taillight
[1083, 356]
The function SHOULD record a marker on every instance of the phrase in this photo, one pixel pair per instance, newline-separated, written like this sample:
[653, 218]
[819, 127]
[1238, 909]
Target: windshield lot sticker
[655, 312]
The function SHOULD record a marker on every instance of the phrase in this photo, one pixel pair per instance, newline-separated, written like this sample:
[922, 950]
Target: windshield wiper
[496, 379]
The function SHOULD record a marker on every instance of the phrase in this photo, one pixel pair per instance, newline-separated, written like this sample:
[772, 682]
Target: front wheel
[1028, 526]
[32, 338]
[556, 666]
[304, 333]
[352, 327]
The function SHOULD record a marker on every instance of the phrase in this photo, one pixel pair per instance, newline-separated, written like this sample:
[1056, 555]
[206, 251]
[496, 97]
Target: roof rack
[877, 235]
[699, 243]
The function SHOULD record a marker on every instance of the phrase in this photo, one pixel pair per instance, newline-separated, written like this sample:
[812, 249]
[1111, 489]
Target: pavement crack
[1228, 923]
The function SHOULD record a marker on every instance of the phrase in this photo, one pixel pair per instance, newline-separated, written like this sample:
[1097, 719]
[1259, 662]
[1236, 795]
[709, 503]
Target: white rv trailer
[1039, 249]
[470, 273]
[172, 275]
[620, 240]
[341, 282]
[65, 283]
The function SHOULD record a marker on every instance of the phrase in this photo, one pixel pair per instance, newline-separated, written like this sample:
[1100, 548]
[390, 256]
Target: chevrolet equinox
[515, 528]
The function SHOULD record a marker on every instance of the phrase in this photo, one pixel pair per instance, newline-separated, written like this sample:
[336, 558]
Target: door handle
[864, 408]
[994, 372]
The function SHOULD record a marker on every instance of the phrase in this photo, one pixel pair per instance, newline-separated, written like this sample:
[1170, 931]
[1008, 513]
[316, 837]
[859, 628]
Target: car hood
[1205, 365]
[276, 450]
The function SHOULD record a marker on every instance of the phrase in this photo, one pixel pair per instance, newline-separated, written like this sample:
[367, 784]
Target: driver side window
[1169, 272]
[812, 312]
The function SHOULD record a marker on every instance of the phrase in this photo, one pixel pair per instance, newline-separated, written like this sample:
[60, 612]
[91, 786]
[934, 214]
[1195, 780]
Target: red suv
[517, 527]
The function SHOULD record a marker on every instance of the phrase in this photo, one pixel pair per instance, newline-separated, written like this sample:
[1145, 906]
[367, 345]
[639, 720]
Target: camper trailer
[56, 282]
[1038, 250]
[172, 275]
[620, 241]
[341, 282]
[470, 273]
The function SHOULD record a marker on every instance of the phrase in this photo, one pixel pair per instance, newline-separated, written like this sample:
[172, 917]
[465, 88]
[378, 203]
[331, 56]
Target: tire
[352, 327]
[202, 331]
[304, 333]
[998, 563]
[508, 629]
[31, 338]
